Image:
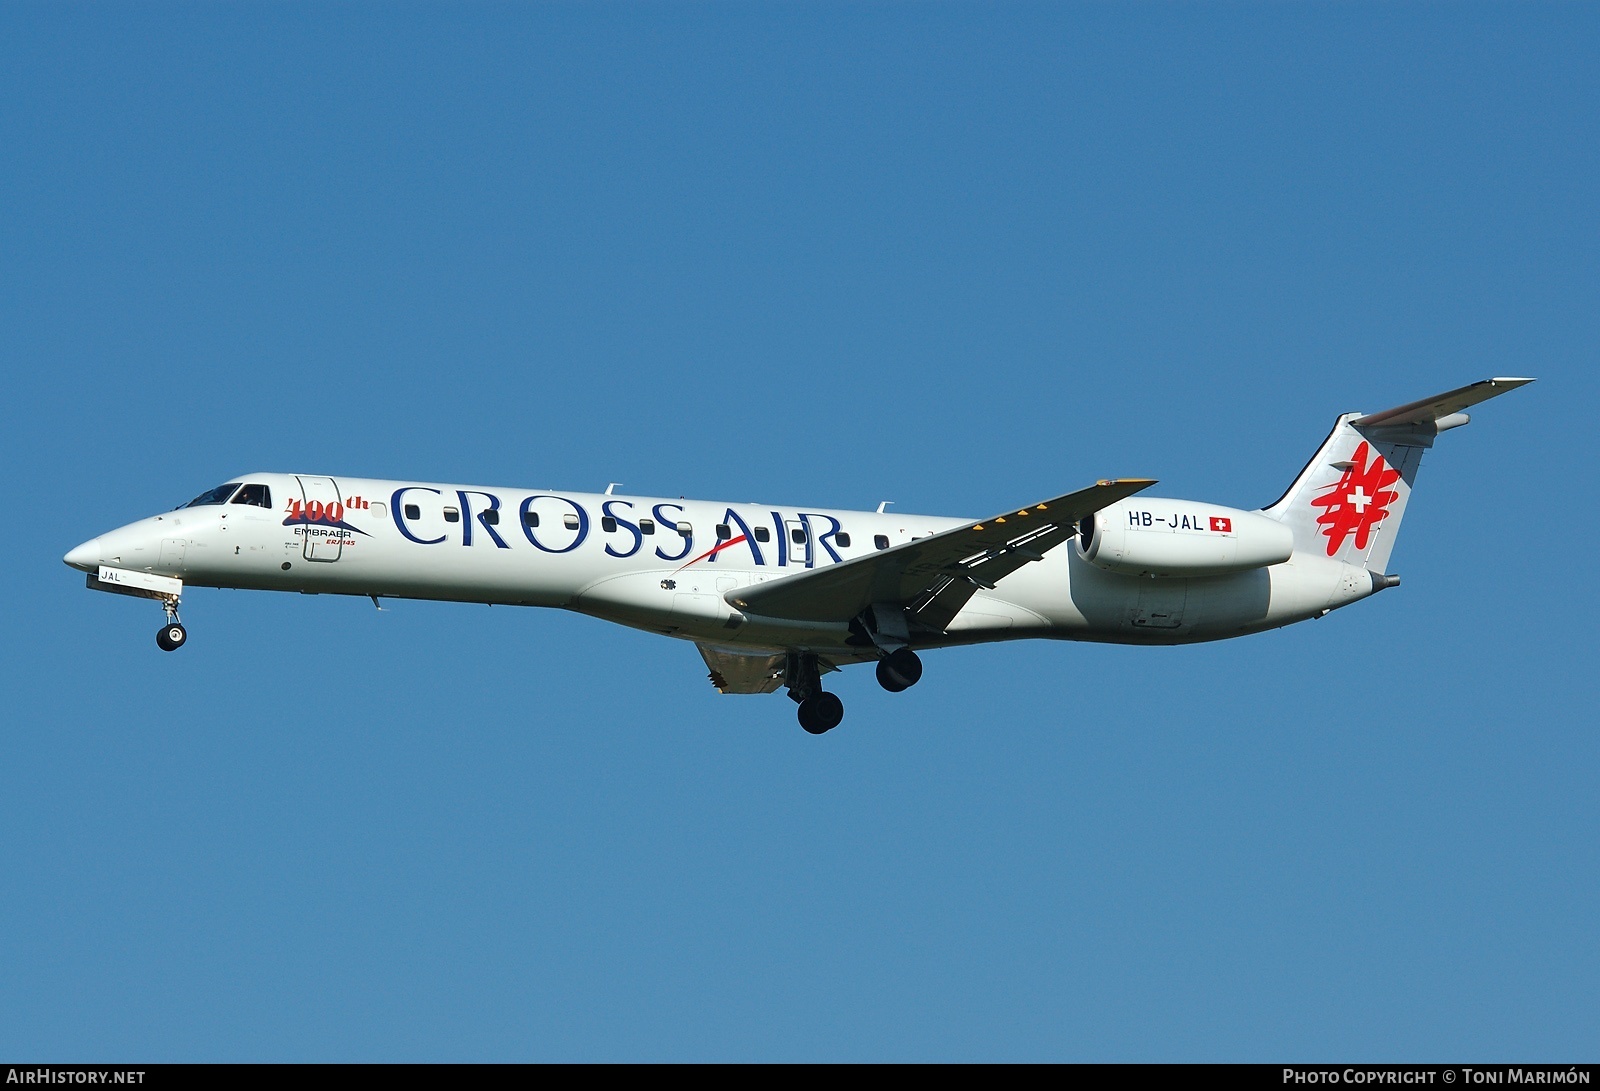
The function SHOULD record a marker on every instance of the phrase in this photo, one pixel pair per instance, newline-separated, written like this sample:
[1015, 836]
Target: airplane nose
[85, 557]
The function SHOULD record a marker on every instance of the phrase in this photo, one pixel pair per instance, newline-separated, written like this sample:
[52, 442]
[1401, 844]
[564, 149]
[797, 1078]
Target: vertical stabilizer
[1348, 502]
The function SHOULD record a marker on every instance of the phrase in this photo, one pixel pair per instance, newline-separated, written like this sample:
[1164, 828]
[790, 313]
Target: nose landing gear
[172, 635]
[166, 590]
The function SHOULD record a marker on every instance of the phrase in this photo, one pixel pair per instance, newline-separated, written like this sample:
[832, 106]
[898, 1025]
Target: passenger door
[323, 530]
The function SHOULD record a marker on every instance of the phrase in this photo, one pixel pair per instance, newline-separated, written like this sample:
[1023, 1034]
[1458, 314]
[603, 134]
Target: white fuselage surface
[658, 564]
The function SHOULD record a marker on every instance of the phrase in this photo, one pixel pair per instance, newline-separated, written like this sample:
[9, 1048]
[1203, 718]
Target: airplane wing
[933, 577]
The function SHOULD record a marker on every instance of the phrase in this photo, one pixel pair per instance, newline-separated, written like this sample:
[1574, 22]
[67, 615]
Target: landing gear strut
[172, 635]
[899, 670]
[820, 711]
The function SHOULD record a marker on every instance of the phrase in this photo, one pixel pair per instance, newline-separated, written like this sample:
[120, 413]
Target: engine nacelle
[1178, 538]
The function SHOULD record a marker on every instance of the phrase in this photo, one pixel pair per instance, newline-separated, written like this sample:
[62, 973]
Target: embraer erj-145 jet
[776, 596]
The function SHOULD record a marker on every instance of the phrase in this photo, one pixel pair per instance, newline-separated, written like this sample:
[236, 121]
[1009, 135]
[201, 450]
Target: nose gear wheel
[172, 635]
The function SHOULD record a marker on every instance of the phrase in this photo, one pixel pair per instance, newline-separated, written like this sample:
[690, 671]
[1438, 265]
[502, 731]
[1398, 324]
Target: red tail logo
[1358, 501]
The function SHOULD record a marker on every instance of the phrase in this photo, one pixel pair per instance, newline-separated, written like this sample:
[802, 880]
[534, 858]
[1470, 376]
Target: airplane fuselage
[669, 565]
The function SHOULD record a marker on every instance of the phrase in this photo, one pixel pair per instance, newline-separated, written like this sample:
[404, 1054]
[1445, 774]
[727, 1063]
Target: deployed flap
[743, 672]
[932, 577]
[1436, 408]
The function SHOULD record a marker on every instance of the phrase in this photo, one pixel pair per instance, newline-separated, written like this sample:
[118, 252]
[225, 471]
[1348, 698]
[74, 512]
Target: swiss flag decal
[1221, 525]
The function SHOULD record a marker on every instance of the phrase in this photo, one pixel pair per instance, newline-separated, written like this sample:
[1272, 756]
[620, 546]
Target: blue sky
[955, 256]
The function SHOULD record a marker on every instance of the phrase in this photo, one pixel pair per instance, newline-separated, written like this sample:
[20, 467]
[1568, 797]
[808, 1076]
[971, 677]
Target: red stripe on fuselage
[713, 551]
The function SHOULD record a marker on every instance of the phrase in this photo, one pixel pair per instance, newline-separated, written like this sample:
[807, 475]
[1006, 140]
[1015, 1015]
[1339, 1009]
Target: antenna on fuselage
[611, 486]
[883, 504]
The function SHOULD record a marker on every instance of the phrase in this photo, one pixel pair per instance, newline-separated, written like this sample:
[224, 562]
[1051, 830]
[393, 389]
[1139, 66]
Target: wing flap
[743, 672]
[934, 576]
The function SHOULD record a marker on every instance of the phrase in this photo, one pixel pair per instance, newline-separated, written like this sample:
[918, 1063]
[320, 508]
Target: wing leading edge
[933, 577]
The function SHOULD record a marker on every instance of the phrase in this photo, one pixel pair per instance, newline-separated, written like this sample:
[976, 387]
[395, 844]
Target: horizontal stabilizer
[1436, 408]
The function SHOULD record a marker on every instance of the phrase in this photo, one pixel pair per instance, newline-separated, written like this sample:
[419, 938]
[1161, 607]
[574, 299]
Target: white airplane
[776, 596]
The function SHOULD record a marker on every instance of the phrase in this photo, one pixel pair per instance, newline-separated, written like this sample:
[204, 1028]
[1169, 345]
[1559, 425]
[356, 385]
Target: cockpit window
[218, 495]
[258, 495]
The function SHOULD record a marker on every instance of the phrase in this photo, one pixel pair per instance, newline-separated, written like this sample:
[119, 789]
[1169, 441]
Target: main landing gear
[899, 670]
[821, 711]
[172, 635]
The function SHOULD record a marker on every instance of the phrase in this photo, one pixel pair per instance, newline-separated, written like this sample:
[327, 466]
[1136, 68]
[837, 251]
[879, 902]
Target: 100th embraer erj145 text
[777, 596]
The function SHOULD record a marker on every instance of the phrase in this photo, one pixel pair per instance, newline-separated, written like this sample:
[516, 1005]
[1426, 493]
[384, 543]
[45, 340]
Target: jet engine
[1177, 538]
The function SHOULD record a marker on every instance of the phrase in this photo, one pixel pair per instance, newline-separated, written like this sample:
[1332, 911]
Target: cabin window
[452, 515]
[379, 511]
[413, 511]
[880, 541]
[218, 495]
[723, 533]
[685, 528]
[762, 534]
[570, 522]
[797, 535]
[491, 518]
[647, 526]
[530, 518]
[608, 524]
[843, 538]
[255, 495]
